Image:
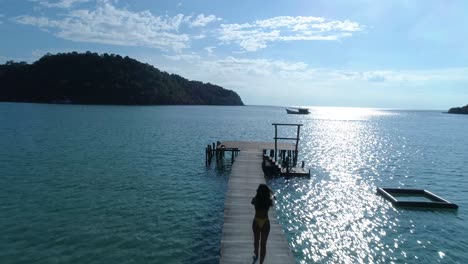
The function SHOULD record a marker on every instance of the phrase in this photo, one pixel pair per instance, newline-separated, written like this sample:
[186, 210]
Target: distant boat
[298, 111]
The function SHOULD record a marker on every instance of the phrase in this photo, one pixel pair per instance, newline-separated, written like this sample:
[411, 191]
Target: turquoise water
[128, 184]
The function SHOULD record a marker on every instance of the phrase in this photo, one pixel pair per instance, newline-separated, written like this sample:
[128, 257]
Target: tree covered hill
[459, 110]
[90, 78]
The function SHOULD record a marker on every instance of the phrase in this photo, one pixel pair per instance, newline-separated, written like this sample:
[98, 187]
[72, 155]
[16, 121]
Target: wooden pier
[237, 238]
[254, 161]
[281, 160]
[282, 164]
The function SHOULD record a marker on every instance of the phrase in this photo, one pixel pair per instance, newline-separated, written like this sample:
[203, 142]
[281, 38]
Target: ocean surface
[128, 184]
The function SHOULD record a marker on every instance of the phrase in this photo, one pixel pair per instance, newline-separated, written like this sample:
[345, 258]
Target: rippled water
[110, 184]
[336, 216]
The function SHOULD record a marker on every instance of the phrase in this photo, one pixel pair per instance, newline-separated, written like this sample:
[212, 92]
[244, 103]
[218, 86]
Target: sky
[400, 54]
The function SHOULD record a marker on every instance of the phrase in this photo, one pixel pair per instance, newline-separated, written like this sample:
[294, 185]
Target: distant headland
[459, 110]
[91, 78]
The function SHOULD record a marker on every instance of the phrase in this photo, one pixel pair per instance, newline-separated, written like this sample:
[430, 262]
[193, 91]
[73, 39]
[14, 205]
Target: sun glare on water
[337, 218]
[346, 113]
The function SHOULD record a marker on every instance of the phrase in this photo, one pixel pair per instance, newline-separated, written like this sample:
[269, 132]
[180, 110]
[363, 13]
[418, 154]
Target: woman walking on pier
[261, 224]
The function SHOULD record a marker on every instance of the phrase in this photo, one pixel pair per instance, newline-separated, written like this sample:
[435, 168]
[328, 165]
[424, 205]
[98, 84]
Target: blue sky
[362, 53]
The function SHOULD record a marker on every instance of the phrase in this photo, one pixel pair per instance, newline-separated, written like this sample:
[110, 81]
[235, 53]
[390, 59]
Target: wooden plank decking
[237, 238]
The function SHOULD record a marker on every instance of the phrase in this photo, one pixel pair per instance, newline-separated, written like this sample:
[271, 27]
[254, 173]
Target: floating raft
[433, 201]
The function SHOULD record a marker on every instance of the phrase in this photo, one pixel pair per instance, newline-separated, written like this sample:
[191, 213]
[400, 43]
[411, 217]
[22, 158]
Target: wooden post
[296, 155]
[210, 154]
[232, 156]
[276, 141]
[297, 142]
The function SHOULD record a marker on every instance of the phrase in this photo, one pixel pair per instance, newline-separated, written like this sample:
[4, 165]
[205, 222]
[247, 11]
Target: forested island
[459, 110]
[91, 78]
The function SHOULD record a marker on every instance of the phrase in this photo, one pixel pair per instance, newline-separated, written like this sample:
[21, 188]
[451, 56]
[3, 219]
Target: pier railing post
[209, 153]
[276, 142]
[297, 142]
[293, 155]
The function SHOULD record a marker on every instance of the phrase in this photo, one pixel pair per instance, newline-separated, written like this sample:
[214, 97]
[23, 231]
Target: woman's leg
[264, 237]
[256, 232]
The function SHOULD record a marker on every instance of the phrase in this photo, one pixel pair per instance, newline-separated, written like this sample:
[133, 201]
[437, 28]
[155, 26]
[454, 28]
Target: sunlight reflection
[346, 113]
[337, 218]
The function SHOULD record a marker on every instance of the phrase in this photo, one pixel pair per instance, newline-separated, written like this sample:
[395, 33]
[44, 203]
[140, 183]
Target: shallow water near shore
[128, 184]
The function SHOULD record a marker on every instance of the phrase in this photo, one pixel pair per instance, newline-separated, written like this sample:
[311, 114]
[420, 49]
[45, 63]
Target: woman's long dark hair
[263, 197]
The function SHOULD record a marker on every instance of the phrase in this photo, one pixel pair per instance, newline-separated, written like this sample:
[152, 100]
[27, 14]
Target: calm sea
[128, 184]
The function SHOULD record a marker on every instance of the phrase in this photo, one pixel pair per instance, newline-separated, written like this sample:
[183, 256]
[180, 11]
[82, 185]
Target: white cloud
[60, 3]
[111, 25]
[371, 76]
[201, 36]
[262, 67]
[266, 81]
[256, 35]
[184, 57]
[293, 72]
[232, 65]
[202, 20]
[397, 76]
[42, 22]
[210, 49]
